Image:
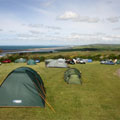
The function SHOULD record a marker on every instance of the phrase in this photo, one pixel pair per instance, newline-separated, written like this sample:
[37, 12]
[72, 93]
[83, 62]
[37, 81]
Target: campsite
[96, 99]
[59, 59]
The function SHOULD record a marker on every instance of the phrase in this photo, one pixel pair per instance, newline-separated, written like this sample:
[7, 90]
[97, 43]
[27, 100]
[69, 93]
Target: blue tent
[37, 61]
[89, 60]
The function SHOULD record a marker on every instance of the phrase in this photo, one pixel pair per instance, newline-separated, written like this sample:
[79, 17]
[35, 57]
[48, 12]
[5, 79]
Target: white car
[81, 62]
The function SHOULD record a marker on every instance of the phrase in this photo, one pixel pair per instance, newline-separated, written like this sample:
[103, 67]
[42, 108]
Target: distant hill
[94, 47]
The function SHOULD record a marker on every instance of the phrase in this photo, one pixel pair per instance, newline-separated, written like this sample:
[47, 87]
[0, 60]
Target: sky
[59, 22]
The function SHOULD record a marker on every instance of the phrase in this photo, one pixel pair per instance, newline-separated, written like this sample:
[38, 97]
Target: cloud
[37, 9]
[118, 28]
[109, 2]
[70, 39]
[69, 15]
[56, 33]
[44, 26]
[76, 38]
[87, 19]
[1, 29]
[48, 3]
[12, 31]
[113, 19]
[9, 22]
[53, 27]
[35, 32]
[25, 35]
[35, 25]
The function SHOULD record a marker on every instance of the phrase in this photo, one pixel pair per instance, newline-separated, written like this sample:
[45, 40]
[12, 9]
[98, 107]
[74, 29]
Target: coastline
[30, 50]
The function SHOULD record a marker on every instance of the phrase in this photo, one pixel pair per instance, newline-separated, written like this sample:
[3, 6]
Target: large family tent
[31, 62]
[23, 87]
[21, 60]
[57, 64]
[72, 76]
[48, 61]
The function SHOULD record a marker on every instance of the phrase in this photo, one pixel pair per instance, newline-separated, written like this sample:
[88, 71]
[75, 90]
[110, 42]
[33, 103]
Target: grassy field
[97, 99]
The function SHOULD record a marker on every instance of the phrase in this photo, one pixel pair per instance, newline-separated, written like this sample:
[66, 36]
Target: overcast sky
[59, 22]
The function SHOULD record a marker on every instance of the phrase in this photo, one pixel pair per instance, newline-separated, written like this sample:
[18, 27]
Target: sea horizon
[21, 47]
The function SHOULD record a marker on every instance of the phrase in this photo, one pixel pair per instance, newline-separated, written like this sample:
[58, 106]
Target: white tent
[60, 63]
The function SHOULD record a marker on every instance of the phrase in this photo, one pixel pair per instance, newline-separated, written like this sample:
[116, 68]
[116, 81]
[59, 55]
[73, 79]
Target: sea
[24, 49]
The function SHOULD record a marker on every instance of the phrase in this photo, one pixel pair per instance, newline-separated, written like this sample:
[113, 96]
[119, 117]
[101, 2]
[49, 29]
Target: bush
[112, 56]
[41, 58]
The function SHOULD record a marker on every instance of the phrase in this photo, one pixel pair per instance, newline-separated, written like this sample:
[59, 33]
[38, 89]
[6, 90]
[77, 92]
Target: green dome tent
[21, 60]
[72, 76]
[118, 62]
[31, 62]
[23, 87]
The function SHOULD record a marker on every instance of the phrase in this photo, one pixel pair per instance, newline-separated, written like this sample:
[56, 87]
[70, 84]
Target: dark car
[70, 61]
[6, 61]
[103, 61]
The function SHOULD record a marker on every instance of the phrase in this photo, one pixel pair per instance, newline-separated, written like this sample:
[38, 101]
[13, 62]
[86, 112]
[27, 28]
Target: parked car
[109, 63]
[103, 61]
[70, 61]
[6, 61]
[80, 62]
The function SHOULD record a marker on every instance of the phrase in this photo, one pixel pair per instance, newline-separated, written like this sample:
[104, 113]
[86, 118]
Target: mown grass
[98, 98]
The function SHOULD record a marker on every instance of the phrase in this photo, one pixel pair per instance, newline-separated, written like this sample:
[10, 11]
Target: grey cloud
[44, 26]
[86, 19]
[36, 25]
[1, 29]
[35, 32]
[53, 27]
[118, 28]
[12, 31]
[26, 35]
[113, 19]
[109, 2]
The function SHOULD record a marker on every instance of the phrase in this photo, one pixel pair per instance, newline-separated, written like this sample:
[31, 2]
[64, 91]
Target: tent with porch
[23, 87]
[57, 63]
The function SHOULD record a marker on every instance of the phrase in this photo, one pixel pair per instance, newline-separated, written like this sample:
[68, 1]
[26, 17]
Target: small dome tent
[72, 76]
[23, 87]
[31, 62]
[21, 60]
[118, 62]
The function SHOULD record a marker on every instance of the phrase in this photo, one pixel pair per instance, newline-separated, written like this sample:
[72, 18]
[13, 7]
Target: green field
[97, 99]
